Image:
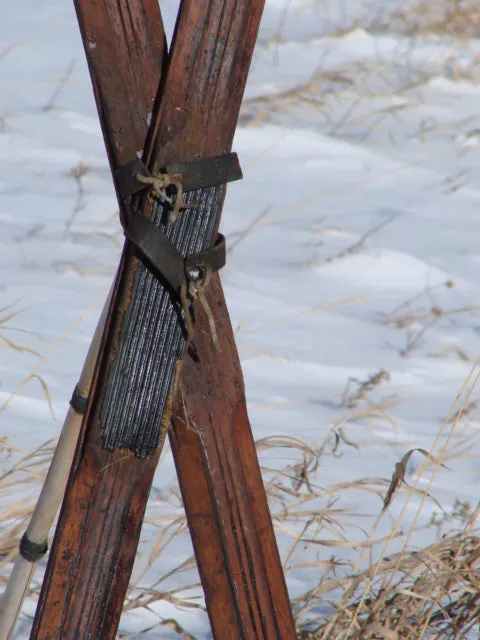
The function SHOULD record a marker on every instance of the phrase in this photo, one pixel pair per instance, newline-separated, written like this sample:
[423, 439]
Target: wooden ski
[96, 539]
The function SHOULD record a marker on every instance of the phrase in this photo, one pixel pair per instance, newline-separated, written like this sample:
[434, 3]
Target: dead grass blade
[398, 476]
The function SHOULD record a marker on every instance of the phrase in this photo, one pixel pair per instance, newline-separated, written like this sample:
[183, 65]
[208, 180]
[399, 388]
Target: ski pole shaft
[50, 497]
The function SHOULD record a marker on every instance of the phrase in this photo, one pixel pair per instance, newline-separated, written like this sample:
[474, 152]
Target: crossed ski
[167, 359]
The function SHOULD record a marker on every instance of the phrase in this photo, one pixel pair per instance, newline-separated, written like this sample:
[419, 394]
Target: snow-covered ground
[352, 275]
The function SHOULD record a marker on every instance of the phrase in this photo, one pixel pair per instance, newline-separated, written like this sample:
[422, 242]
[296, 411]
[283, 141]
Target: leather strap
[153, 246]
[208, 172]
[168, 263]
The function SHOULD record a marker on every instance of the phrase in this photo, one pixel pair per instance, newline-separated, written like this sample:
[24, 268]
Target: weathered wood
[126, 51]
[100, 522]
[223, 493]
[97, 535]
[211, 439]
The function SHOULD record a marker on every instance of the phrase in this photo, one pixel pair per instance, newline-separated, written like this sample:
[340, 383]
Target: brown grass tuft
[454, 18]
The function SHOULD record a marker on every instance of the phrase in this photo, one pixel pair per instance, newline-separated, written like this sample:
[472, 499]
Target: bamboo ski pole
[34, 543]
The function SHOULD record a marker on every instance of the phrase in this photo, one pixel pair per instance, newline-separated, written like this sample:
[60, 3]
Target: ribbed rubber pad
[152, 337]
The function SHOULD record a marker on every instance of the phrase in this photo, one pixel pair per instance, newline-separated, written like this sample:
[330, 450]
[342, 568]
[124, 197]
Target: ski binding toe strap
[157, 250]
[199, 174]
[151, 243]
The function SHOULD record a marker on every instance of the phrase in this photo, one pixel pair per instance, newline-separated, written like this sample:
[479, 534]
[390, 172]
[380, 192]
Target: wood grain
[96, 540]
[213, 446]
[99, 526]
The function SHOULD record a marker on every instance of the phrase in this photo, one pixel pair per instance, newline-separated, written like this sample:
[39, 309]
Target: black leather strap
[213, 258]
[208, 172]
[152, 244]
[156, 249]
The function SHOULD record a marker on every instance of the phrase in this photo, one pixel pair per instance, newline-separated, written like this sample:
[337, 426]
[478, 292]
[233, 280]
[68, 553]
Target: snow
[360, 197]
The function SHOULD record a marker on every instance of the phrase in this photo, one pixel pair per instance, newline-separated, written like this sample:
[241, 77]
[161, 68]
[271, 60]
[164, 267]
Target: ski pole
[34, 542]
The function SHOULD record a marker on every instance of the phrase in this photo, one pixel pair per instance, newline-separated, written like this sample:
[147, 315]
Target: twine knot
[159, 184]
[193, 289]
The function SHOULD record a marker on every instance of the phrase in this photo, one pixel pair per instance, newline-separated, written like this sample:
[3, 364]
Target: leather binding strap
[151, 243]
[158, 252]
[210, 172]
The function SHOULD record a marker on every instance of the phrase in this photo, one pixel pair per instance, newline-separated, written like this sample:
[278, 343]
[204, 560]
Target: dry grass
[367, 583]
[431, 592]
[363, 587]
[354, 99]
[454, 18]
[418, 320]
[6, 316]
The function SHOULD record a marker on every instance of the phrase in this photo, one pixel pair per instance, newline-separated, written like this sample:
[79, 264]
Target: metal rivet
[195, 273]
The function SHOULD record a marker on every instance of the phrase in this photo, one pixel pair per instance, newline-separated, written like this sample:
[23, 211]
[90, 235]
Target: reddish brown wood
[223, 492]
[208, 68]
[99, 526]
[97, 535]
[126, 50]
[216, 461]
